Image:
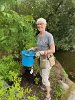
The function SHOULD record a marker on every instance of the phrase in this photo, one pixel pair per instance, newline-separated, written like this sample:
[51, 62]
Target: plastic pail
[28, 58]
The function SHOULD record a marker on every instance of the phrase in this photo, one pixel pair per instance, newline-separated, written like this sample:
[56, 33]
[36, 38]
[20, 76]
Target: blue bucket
[28, 58]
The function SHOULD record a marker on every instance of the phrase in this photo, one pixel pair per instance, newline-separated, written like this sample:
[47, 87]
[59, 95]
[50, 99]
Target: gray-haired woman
[45, 47]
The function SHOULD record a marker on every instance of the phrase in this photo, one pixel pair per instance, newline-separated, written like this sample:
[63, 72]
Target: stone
[72, 96]
[69, 94]
[64, 85]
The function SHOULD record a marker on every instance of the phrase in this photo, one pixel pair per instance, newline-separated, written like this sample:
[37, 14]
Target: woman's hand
[33, 48]
[43, 52]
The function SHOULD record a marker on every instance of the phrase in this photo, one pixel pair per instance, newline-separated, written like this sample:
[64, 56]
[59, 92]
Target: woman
[45, 47]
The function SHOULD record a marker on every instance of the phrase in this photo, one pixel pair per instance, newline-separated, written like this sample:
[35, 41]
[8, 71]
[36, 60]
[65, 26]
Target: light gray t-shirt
[43, 43]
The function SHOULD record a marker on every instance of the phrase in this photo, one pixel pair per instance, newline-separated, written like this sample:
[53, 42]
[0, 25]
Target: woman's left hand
[43, 52]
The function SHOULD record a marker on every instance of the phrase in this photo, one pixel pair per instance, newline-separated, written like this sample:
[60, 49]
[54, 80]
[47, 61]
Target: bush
[14, 92]
[7, 64]
[16, 31]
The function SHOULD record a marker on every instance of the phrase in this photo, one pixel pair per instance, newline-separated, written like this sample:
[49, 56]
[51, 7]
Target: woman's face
[41, 27]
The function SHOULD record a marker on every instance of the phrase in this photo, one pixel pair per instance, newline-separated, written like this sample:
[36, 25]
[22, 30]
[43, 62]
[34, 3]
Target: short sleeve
[50, 39]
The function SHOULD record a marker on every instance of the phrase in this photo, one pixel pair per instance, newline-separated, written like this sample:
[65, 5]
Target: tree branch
[55, 10]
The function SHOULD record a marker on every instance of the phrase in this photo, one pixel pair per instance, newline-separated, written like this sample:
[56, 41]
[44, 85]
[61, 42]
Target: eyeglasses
[40, 24]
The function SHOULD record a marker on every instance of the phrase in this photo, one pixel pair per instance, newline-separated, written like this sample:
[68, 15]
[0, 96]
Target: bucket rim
[28, 54]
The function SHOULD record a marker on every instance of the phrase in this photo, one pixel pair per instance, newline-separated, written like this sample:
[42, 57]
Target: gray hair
[41, 20]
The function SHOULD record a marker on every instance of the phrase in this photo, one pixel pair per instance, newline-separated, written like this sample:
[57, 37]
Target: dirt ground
[28, 82]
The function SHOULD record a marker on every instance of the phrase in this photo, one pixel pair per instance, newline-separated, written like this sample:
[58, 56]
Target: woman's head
[41, 24]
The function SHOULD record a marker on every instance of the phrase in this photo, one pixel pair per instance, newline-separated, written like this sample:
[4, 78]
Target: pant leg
[45, 77]
[45, 73]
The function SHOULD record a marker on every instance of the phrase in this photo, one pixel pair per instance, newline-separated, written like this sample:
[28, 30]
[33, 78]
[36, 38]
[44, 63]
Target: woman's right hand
[41, 53]
[33, 48]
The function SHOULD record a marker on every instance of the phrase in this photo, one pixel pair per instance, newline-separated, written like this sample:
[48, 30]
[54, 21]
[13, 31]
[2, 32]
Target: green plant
[31, 98]
[14, 92]
[36, 66]
[57, 91]
[64, 73]
[9, 72]
[56, 86]
[36, 80]
[16, 31]
[7, 64]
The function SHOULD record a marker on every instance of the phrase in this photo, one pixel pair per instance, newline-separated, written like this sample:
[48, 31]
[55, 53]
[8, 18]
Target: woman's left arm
[51, 49]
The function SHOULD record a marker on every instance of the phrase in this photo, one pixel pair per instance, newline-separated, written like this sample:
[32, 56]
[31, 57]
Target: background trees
[60, 15]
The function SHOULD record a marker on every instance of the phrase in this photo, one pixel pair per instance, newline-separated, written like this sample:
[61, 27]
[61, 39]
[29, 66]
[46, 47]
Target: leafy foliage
[56, 86]
[14, 92]
[9, 70]
[7, 64]
[16, 31]
[31, 98]
[60, 15]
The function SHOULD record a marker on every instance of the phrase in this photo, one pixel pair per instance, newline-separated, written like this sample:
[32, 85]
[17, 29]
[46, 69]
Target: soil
[28, 82]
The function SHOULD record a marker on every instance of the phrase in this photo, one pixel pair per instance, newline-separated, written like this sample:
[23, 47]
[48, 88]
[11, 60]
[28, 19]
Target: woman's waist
[42, 48]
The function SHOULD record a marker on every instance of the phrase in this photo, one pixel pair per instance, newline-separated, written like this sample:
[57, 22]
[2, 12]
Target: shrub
[14, 92]
[16, 31]
[7, 64]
